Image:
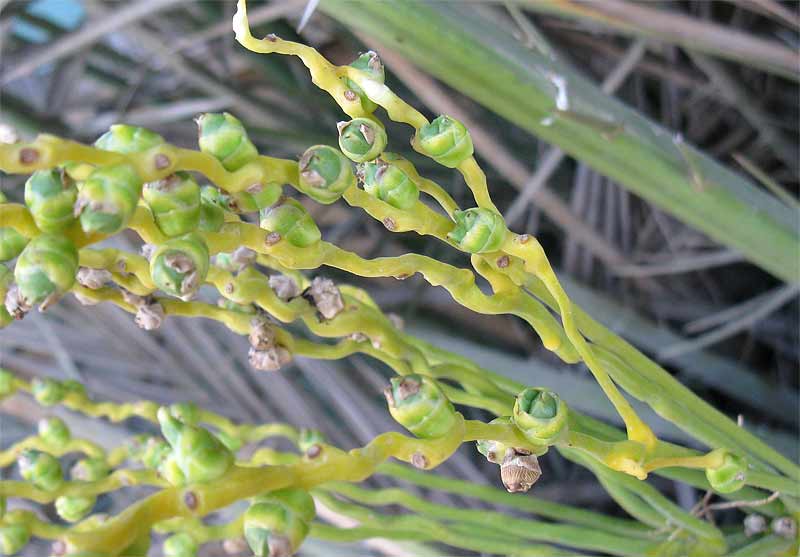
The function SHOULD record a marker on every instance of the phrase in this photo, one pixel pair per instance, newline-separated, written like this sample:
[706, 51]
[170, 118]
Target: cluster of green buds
[73, 508]
[478, 230]
[389, 183]
[325, 173]
[730, 475]
[372, 68]
[276, 524]
[417, 403]
[197, 455]
[362, 139]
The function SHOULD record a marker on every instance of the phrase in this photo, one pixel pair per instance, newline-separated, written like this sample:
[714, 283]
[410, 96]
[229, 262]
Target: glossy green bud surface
[54, 432]
[175, 203]
[254, 198]
[41, 469]
[390, 184]
[276, 524]
[180, 265]
[730, 476]
[180, 545]
[90, 470]
[11, 243]
[362, 140]
[46, 267]
[325, 173]
[47, 392]
[73, 508]
[125, 139]
[50, 195]
[212, 210]
[223, 136]
[478, 230]
[13, 538]
[292, 221]
[201, 456]
[541, 415]
[108, 199]
[446, 141]
[419, 405]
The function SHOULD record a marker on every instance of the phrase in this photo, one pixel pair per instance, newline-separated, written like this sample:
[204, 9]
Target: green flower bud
[541, 415]
[13, 538]
[308, 438]
[419, 405]
[175, 202]
[369, 63]
[11, 243]
[223, 136]
[46, 268]
[292, 221]
[180, 545]
[180, 265]
[325, 174]
[108, 198]
[73, 508]
[90, 470]
[277, 523]
[125, 139]
[200, 455]
[41, 469]
[446, 141]
[54, 432]
[212, 210]
[50, 196]
[361, 140]
[478, 230]
[494, 451]
[6, 279]
[254, 198]
[48, 392]
[730, 476]
[389, 184]
[7, 383]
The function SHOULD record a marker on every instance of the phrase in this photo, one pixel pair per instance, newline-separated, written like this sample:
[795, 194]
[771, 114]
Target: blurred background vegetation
[681, 235]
